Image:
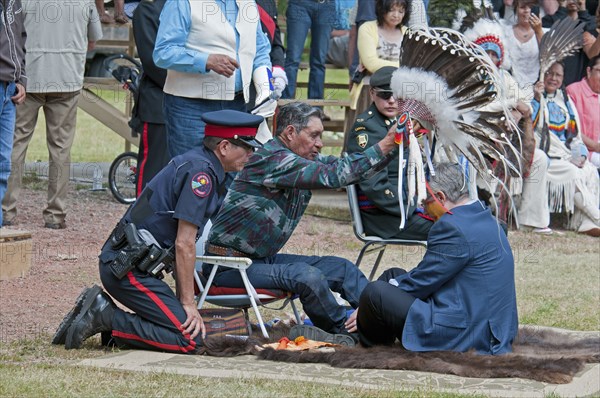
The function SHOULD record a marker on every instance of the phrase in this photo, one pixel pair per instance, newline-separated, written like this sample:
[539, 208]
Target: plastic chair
[372, 243]
[242, 298]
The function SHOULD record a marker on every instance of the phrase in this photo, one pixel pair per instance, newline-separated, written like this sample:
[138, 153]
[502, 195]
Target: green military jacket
[378, 196]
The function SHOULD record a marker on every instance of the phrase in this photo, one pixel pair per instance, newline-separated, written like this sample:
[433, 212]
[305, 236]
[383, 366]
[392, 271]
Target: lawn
[96, 143]
[93, 141]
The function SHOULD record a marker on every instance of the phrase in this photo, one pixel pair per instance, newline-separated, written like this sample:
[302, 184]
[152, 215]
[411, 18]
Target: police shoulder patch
[362, 140]
[202, 185]
[360, 128]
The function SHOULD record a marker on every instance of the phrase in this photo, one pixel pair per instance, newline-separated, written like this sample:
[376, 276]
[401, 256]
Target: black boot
[95, 319]
[84, 301]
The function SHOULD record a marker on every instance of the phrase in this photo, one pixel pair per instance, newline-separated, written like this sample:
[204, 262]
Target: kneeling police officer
[160, 229]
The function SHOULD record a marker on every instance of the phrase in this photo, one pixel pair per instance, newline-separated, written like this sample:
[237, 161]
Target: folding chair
[242, 298]
[371, 243]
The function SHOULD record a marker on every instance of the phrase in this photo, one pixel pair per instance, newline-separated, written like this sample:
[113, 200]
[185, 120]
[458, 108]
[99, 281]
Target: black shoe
[95, 319]
[58, 225]
[314, 333]
[84, 301]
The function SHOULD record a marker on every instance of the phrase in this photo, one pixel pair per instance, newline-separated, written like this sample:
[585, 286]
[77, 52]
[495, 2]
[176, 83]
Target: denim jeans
[7, 129]
[302, 15]
[311, 277]
[183, 119]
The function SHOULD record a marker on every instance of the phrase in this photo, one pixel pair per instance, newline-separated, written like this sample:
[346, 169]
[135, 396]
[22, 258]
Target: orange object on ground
[299, 344]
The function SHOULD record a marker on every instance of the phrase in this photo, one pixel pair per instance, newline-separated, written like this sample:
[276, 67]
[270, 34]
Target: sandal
[121, 18]
[106, 18]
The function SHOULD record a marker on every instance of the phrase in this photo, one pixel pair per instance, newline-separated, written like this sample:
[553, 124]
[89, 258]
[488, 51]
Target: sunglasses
[383, 94]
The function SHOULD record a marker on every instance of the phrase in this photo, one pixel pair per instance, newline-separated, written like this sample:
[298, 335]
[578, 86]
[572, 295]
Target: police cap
[382, 77]
[234, 125]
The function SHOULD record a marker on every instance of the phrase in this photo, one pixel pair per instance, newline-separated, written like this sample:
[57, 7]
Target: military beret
[232, 124]
[382, 77]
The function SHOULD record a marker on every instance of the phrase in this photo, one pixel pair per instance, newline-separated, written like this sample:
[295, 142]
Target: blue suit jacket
[465, 287]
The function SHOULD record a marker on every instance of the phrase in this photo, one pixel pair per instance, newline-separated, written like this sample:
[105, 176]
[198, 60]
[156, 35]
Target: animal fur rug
[538, 354]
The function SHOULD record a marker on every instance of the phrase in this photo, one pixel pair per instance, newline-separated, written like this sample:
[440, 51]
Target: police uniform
[378, 196]
[189, 188]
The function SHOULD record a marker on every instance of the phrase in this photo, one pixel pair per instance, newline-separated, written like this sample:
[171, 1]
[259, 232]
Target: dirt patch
[63, 262]
[66, 261]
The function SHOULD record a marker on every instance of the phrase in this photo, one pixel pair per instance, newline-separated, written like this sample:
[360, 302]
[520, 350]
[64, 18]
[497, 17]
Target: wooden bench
[103, 111]
[335, 125]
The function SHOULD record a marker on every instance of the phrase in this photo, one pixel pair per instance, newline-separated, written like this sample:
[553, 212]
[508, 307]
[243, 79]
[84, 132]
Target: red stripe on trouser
[144, 160]
[163, 307]
[167, 347]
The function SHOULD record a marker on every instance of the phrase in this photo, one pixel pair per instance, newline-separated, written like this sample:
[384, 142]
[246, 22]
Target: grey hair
[451, 180]
[296, 114]
[212, 142]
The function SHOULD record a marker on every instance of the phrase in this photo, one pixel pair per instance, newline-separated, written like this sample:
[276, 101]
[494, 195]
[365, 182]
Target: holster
[135, 253]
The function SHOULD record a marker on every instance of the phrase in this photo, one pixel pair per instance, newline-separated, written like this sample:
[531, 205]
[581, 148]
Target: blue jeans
[311, 277]
[183, 120]
[319, 17]
[7, 130]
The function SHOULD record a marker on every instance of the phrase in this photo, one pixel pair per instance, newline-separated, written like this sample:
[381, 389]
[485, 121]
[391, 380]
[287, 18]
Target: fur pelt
[542, 355]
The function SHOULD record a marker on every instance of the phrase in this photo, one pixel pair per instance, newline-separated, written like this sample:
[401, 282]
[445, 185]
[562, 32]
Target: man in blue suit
[461, 296]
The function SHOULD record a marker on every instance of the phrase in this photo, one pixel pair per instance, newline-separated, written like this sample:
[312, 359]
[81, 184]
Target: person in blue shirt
[173, 208]
[213, 51]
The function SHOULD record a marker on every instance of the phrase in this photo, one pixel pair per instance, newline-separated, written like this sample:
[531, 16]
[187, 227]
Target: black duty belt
[224, 251]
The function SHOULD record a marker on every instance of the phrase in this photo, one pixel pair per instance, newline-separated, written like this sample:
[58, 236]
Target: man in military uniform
[172, 208]
[377, 196]
[270, 195]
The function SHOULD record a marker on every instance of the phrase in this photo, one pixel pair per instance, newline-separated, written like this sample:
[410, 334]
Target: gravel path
[63, 262]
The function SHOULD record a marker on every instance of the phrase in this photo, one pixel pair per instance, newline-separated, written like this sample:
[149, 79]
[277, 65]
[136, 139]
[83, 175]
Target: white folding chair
[372, 243]
[242, 298]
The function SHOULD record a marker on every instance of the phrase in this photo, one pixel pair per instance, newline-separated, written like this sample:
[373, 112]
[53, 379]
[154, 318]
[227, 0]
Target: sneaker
[314, 333]
[84, 301]
[542, 231]
[8, 223]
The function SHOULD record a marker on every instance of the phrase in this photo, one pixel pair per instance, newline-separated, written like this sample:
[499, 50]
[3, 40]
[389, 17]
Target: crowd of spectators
[362, 36]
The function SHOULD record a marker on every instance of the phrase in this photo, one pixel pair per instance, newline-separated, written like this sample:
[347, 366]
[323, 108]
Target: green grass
[93, 141]
[35, 368]
[40, 380]
[96, 143]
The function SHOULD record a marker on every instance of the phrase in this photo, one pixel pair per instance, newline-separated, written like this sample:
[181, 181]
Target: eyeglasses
[384, 94]
[243, 145]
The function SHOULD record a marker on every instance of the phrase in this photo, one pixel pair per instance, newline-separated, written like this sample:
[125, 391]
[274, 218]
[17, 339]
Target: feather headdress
[489, 35]
[563, 39]
[442, 81]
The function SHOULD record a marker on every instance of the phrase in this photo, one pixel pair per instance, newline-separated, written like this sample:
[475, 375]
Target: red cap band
[212, 130]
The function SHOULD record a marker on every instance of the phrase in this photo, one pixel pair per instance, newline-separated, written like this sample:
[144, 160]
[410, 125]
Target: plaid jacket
[267, 199]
